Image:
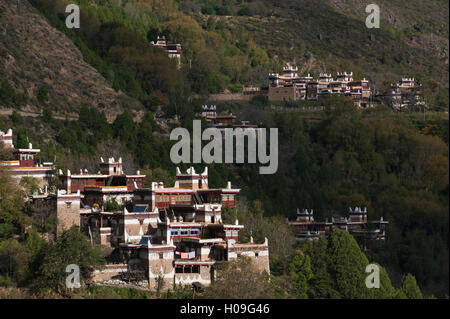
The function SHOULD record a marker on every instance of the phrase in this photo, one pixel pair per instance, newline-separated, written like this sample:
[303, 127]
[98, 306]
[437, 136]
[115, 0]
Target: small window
[161, 255]
[174, 232]
[196, 269]
[68, 204]
[179, 270]
[184, 232]
[256, 255]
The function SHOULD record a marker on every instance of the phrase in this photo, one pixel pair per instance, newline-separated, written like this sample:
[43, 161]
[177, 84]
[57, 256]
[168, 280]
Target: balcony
[185, 255]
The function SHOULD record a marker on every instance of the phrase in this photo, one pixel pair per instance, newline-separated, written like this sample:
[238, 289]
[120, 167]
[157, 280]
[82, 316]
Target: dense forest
[394, 164]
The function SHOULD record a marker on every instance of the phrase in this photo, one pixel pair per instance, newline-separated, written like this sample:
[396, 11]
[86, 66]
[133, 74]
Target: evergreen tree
[321, 283]
[7, 93]
[347, 265]
[410, 288]
[300, 271]
[386, 290]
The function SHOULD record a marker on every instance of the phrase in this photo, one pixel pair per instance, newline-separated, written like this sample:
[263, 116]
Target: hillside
[66, 86]
[331, 36]
[226, 44]
[35, 57]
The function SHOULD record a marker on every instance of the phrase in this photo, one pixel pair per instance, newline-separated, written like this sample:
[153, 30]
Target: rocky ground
[33, 53]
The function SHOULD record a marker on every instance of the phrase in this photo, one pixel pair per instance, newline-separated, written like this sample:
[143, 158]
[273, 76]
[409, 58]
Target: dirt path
[7, 112]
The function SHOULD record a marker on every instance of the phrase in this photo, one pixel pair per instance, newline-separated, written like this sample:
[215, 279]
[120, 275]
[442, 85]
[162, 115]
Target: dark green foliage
[238, 279]
[105, 292]
[350, 158]
[321, 284]
[111, 206]
[42, 94]
[9, 97]
[410, 288]
[260, 100]
[386, 290]
[50, 261]
[347, 265]
[12, 219]
[336, 268]
[7, 93]
[47, 114]
[347, 158]
[16, 118]
[301, 273]
[209, 8]
[13, 260]
[244, 11]
[84, 135]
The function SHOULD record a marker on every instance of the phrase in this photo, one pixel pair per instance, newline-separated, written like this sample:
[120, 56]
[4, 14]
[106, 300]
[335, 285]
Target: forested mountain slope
[331, 36]
[394, 165]
[231, 43]
[40, 66]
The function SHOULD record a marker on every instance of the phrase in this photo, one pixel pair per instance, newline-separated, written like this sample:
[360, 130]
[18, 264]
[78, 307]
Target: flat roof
[203, 241]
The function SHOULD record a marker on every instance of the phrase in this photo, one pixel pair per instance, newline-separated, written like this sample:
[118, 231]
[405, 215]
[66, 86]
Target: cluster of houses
[291, 86]
[223, 120]
[306, 228]
[166, 235]
[406, 93]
